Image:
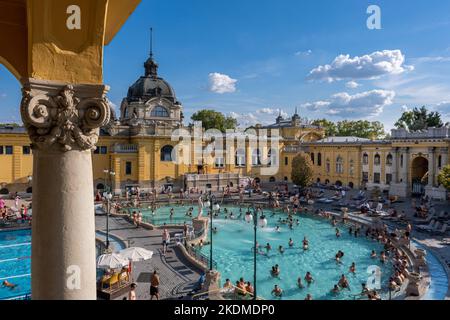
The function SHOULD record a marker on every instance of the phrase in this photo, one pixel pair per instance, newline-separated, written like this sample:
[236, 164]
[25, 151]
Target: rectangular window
[8, 150]
[377, 178]
[97, 151]
[103, 150]
[219, 163]
[365, 177]
[26, 150]
[286, 161]
[388, 179]
[2, 150]
[128, 168]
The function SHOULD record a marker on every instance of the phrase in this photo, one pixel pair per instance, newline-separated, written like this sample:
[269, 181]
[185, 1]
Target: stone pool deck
[178, 277]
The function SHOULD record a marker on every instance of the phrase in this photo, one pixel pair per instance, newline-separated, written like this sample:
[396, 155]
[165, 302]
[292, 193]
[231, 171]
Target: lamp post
[262, 223]
[108, 196]
[213, 206]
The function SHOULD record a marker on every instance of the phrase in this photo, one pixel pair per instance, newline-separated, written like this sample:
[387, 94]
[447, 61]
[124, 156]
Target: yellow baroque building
[140, 149]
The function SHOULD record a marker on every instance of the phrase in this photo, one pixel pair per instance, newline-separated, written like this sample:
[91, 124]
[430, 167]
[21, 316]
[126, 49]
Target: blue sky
[251, 58]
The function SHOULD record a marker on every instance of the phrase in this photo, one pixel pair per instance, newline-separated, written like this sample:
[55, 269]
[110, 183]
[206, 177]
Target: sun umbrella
[111, 261]
[136, 254]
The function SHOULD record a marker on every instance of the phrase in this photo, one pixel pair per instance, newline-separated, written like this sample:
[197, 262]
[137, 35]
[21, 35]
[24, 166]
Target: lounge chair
[431, 226]
[442, 230]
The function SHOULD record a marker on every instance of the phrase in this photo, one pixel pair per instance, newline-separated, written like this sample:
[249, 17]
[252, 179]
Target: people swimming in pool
[291, 243]
[268, 247]
[373, 255]
[277, 291]
[343, 282]
[275, 271]
[300, 284]
[338, 233]
[305, 244]
[309, 278]
[383, 257]
[281, 249]
[308, 297]
[277, 229]
[9, 285]
[335, 290]
[353, 268]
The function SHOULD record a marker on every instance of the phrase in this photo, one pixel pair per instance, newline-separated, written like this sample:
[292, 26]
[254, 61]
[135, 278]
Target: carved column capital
[64, 117]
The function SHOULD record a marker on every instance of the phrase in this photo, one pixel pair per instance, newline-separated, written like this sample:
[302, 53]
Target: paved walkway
[178, 277]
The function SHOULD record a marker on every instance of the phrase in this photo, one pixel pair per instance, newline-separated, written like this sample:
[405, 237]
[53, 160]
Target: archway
[419, 170]
[419, 175]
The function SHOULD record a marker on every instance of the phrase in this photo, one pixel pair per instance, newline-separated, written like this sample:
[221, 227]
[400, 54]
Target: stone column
[396, 165]
[431, 166]
[63, 122]
[444, 154]
[405, 168]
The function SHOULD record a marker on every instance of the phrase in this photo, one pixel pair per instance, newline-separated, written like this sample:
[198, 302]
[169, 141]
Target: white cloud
[371, 66]
[405, 108]
[221, 83]
[270, 111]
[361, 105]
[352, 85]
[443, 108]
[303, 53]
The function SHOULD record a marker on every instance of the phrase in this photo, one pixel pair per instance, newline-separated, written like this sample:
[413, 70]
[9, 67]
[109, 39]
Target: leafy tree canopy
[444, 177]
[359, 128]
[419, 119]
[214, 120]
[302, 171]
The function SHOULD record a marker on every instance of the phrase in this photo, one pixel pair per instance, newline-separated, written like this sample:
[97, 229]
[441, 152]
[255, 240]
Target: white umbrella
[111, 261]
[136, 254]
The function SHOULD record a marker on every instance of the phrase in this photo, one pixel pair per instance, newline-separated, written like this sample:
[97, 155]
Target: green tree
[360, 128]
[214, 120]
[444, 177]
[329, 126]
[302, 171]
[419, 119]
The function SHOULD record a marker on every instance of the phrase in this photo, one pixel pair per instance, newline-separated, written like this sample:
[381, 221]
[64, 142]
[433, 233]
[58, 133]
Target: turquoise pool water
[15, 262]
[235, 258]
[162, 217]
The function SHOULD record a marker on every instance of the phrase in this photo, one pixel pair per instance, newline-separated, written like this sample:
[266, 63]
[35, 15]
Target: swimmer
[305, 244]
[7, 284]
[352, 268]
[277, 291]
[309, 278]
[373, 255]
[268, 247]
[343, 283]
[277, 229]
[281, 249]
[338, 233]
[383, 257]
[300, 283]
[308, 297]
[291, 243]
[335, 290]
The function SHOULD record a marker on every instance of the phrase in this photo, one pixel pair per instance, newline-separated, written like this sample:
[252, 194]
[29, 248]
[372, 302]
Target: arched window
[159, 112]
[166, 154]
[389, 160]
[352, 167]
[319, 159]
[313, 157]
[377, 160]
[339, 165]
[272, 158]
[100, 186]
[272, 179]
[440, 162]
[240, 158]
[328, 166]
[256, 157]
[365, 159]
